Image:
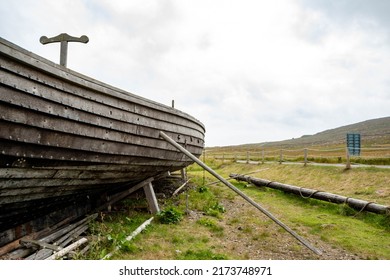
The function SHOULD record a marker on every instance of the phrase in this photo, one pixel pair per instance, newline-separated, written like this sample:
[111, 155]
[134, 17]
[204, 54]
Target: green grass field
[221, 225]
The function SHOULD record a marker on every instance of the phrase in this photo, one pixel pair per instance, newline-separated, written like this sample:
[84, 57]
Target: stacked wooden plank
[51, 243]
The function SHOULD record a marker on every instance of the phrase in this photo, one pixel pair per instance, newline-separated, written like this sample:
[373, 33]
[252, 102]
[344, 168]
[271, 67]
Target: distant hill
[373, 132]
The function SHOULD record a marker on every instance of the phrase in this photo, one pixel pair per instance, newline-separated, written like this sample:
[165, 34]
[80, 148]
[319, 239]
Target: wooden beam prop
[357, 204]
[151, 198]
[180, 188]
[131, 236]
[119, 196]
[236, 190]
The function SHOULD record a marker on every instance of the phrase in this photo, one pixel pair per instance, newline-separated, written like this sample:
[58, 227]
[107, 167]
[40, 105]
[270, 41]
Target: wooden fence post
[305, 156]
[281, 157]
[262, 156]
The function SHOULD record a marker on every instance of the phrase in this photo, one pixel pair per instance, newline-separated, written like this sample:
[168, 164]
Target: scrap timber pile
[56, 242]
[69, 237]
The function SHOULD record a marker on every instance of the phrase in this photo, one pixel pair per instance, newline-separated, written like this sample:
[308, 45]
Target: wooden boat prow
[66, 138]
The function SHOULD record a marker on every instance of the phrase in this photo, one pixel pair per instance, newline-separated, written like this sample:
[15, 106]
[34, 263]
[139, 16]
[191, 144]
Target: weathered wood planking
[65, 136]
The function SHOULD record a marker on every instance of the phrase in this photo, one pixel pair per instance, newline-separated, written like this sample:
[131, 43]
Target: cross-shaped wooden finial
[63, 38]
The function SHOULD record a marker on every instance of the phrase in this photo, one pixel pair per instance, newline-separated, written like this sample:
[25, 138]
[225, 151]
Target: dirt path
[251, 235]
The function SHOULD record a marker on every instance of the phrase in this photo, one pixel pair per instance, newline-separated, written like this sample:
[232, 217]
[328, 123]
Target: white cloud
[252, 71]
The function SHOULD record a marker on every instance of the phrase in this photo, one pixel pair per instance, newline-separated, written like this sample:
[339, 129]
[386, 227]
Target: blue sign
[353, 144]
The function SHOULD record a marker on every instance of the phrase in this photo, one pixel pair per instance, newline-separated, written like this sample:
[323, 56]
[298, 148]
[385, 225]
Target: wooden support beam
[180, 188]
[131, 236]
[116, 197]
[151, 198]
[183, 173]
[149, 193]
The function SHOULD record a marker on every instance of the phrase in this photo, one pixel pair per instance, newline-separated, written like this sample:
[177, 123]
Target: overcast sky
[251, 71]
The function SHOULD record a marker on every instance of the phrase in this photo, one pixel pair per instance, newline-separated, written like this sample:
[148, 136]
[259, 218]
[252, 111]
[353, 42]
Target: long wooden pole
[236, 190]
[358, 204]
[131, 236]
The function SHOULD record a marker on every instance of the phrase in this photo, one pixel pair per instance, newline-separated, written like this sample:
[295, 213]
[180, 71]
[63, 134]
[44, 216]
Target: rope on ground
[310, 195]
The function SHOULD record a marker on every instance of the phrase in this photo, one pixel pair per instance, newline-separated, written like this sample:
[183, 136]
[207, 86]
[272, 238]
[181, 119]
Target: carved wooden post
[63, 38]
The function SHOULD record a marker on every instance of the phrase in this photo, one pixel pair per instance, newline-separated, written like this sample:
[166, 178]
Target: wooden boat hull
[65, 136]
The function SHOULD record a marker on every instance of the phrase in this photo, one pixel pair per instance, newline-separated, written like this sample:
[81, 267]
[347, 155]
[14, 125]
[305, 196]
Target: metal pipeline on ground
[357, 204]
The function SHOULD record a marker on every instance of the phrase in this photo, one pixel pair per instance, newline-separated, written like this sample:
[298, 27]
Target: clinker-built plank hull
[66, 137]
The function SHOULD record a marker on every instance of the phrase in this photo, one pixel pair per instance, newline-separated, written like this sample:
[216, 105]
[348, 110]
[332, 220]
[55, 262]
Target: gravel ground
[270, 243]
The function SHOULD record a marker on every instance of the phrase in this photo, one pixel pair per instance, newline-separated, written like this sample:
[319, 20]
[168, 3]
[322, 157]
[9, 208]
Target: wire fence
[369, 156]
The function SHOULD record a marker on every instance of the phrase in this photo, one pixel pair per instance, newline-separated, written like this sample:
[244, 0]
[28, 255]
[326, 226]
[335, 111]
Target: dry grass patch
[221, 225]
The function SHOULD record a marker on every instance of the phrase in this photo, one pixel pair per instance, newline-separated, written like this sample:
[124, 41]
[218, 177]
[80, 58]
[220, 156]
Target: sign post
[353, 144]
